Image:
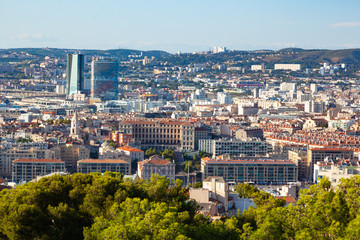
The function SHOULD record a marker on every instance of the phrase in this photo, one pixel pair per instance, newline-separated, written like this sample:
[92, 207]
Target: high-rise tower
[105, 78]
[75, 74]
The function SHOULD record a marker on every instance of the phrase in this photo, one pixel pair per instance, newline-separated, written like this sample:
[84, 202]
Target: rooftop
[102, 161]
[247, 161]
[129, 149]
[38, 160]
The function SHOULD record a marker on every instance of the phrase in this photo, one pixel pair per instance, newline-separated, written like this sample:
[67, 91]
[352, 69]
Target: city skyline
[186, 26]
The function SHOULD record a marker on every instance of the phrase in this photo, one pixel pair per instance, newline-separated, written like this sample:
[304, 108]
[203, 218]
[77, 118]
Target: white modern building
[291, 67]
[286, 86]
[224, 98]
[234, 147]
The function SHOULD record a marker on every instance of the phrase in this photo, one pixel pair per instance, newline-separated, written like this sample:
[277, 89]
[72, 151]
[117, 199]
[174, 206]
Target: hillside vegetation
[95, 206]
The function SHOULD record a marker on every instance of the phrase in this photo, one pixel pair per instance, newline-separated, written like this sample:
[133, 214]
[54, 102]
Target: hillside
[313, 57]
[121, 54]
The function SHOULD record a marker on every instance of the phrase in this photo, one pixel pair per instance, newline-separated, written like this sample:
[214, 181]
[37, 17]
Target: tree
[168, 153]
[150, 152]
[188, 166]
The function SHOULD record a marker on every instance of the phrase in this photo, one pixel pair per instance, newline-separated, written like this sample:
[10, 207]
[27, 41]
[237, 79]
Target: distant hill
[311, 57]
[121, 54]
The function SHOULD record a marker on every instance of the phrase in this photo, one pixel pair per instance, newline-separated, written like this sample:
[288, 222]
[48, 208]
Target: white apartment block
[334, 172]
[256, 68]
[234, 147]
[285, 86]
[291, 67]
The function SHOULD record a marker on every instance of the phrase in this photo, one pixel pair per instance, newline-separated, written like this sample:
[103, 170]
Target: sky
[186, 25]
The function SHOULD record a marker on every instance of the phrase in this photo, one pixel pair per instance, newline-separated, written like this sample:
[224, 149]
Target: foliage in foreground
[94, 206]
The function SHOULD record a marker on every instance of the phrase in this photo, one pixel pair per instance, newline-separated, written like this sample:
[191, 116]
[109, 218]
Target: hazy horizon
[185, 26]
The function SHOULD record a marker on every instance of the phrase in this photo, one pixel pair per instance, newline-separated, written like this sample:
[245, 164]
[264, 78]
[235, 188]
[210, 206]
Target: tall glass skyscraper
[105, 78]
[75, 74]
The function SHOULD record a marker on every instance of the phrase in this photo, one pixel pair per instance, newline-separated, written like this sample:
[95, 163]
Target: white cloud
[345, 24]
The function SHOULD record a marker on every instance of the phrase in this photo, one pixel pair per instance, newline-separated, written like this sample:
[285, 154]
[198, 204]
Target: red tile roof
[156, 161]
[288, 199]
[129, 149]
[331, 149]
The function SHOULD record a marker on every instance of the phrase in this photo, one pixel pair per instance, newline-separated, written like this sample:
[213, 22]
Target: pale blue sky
[180, 25]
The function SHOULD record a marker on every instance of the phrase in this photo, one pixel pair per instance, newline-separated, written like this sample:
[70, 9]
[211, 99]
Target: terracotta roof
[155, 161]
[35, 160]
[288, 199]
[102, 161]
[331, 149]
[130, 149]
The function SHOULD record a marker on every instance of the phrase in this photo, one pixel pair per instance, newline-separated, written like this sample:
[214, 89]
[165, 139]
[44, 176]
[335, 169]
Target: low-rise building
[234, 147]
[215, 198]
[334, 172]
[104, 165]
[315, 155]
[250, 132]
[156, 165]
[28, 169]
[134, 153]
[258, 171]
[70, 154]
[9, 155]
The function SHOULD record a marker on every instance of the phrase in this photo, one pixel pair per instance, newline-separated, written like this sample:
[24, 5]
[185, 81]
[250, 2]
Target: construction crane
[142, 98]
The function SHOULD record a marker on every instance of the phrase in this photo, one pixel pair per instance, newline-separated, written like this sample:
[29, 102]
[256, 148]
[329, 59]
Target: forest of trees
[95, 206]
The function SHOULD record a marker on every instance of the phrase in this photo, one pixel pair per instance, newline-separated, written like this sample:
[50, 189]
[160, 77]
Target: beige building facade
[161, 134]
[156, 165]
[71, 154]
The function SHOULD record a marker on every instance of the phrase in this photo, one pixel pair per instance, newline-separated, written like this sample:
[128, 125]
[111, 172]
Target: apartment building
[7, 156]
[258, 171]
[24, 145]
[133, 153]
[234, 147]
[160, 134]
[334, 172]
[28, 169]
[156, 165]
[250, 132]
[200, 133]
[291, 67]
[120, 138]
[299, 158]
[315, 155]
[103, 165]
[70, 154]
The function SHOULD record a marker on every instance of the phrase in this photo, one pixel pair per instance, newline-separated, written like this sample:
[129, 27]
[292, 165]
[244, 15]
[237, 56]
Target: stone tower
[75, 129]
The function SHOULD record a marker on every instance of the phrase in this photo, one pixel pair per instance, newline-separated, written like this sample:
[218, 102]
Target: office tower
[74, 74]
[104, 78]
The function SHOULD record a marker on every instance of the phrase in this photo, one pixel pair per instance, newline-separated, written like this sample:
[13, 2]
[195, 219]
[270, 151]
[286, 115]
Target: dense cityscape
[180, 120]
[242, 134]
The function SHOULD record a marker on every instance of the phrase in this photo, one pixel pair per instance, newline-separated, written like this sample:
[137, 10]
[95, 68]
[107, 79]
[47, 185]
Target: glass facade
[105, 78]
[75, 74]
